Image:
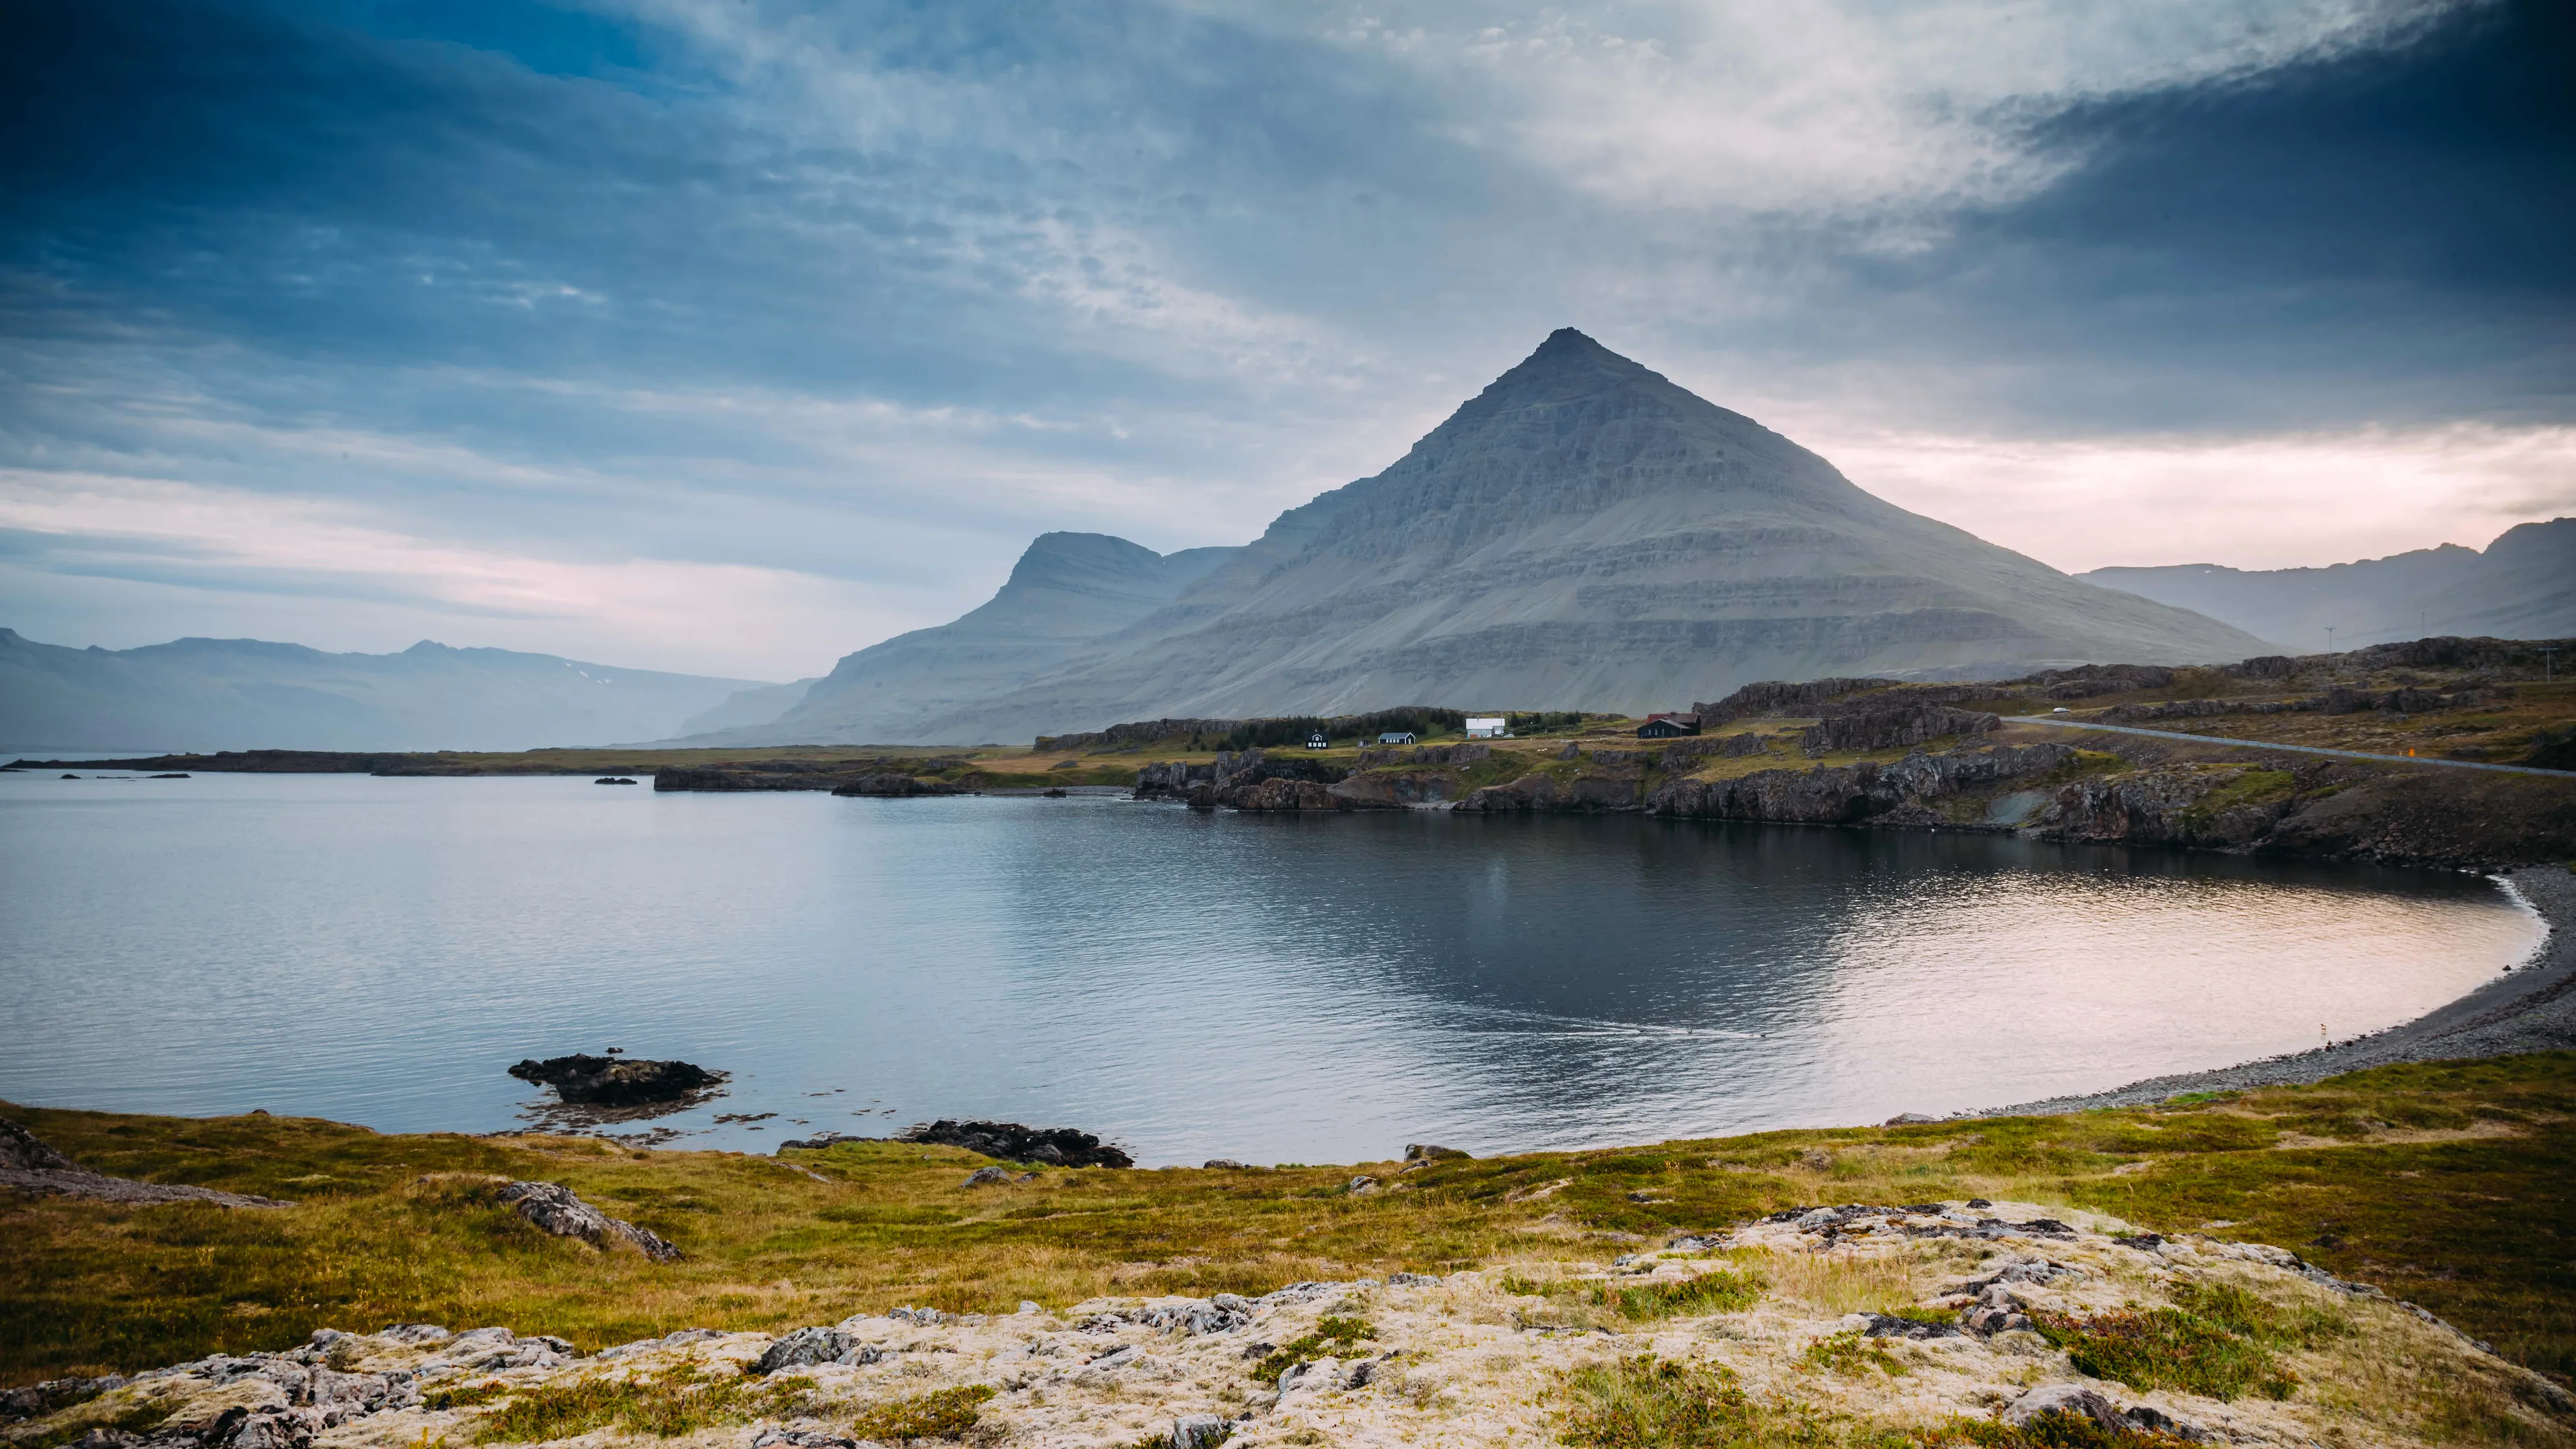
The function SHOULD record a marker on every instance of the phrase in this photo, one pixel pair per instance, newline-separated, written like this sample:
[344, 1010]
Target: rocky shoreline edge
[2531, 1008]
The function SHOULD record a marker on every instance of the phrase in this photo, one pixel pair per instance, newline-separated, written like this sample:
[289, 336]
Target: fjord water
[1269, 988]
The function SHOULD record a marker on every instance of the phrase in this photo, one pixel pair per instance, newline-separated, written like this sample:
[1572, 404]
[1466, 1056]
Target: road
[2072, 724]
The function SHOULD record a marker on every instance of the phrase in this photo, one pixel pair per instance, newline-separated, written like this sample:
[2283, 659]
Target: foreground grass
[2445, 1184]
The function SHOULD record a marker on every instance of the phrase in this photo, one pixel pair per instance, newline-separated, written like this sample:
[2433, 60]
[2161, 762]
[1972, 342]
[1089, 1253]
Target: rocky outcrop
[1889, 723]
[616, 1081]
[1782, 698]
[1245, 780]
[554, 1208]
[1608, 787]
[1853, 794]
[806, 774]
[897, 786]
[1011, 1142]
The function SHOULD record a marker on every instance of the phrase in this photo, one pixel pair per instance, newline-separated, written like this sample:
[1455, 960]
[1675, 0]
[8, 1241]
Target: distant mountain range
[1583, 534]
[2522, 586]
[227, 694]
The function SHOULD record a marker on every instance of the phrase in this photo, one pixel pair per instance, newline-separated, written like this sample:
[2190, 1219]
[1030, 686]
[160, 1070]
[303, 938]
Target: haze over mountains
[234, 694]
[1584, 533]
[2522, 586]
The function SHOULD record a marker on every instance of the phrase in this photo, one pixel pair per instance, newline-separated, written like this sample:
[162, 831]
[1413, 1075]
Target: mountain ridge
[2521, 586]
[1581, 533]
[213, 694]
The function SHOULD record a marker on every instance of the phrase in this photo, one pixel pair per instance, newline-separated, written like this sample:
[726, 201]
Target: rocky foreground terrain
[1948, 1322]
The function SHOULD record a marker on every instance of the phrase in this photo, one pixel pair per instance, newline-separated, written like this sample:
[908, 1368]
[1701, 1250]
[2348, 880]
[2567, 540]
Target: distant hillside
[1068, 590]
[228, 694]
[2523, 586]
[1582, 535]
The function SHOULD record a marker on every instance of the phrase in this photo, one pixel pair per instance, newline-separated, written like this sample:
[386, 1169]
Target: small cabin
[1316, 741]
[1668, 726]
[1485, 726]
[1396, 737]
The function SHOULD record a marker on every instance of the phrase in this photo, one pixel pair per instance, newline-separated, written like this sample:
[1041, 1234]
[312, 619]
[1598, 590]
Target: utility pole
[2330, 638]
[2547, 660]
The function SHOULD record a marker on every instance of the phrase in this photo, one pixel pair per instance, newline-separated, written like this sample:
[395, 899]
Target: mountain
[1068, 590]
[229, 694]
[1584, 533]
[754, 706]
[2522, 586]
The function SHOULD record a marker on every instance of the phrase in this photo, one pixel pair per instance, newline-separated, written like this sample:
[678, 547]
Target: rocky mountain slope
[1583, 534]
[2522, 586]
[221, 694]
[1069, 590]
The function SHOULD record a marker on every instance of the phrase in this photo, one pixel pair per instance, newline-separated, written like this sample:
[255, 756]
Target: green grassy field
[2446, 1184]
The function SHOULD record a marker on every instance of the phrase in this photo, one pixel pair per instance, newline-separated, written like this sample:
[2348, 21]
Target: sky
[729, 336]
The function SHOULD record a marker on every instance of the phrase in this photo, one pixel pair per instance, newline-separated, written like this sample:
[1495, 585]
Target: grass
[1849, 1354]
[939, 1414]
[682, 1401]
[1714, 1292]
[2168, 1348]
[2478, 1228]
[1649, 1403]
[1332, 1338]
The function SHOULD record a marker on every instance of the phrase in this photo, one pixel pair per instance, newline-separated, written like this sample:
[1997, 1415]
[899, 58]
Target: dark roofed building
[1668, 726]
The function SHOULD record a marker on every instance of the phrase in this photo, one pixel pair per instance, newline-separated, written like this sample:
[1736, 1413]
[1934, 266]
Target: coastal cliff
[1880, 753]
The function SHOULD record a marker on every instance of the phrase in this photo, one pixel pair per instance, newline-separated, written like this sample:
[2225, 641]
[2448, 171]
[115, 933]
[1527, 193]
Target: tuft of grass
[2250, 1315]
[1851, 1355]
[2162, 1348]
[681, 1401]
[940, 1414]
[1332, 1338]
[464, 1396]
[1714, 1292]
[1650, 1403]
[136, 1419]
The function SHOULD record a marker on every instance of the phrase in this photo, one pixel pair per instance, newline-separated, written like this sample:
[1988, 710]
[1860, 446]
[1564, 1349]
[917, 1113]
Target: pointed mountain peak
[1569, 364]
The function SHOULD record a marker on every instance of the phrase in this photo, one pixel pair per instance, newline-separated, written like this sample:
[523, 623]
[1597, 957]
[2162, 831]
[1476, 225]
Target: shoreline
[2530, 1008]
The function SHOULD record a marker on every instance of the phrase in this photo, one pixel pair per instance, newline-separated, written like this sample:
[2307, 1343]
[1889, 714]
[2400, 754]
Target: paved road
[2071, 724]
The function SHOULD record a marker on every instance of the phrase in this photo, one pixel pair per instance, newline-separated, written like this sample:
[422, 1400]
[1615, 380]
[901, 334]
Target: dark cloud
[2377, 236]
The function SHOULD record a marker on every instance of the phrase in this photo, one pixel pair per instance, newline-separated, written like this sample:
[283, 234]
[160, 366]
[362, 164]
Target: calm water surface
[1268, 988]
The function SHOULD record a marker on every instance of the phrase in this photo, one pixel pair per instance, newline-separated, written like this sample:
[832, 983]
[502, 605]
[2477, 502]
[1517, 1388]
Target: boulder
[804, 1347]
[554, 1207]
[986, 1177]
[1432, 1152]
[2070, 1399]
[1199, 1431]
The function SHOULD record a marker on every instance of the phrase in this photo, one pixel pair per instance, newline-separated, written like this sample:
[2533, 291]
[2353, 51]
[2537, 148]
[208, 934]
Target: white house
[1484, 726]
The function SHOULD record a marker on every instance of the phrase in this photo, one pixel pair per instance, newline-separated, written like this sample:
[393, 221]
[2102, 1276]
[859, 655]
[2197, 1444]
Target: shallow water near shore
[1270, 988]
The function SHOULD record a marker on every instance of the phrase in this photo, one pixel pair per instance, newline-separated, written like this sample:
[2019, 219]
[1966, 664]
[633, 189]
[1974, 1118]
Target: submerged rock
[616, 1081]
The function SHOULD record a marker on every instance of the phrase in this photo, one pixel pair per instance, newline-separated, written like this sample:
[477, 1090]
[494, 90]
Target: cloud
[859, 297]
[2280, 501]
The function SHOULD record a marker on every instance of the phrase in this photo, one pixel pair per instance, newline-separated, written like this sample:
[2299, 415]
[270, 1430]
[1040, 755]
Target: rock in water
[616, 1081]
[1011, 1142]
[553, 1207]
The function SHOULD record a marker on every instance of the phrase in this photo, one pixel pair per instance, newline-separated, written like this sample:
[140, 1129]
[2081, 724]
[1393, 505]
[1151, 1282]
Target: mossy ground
[2447, 1184]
